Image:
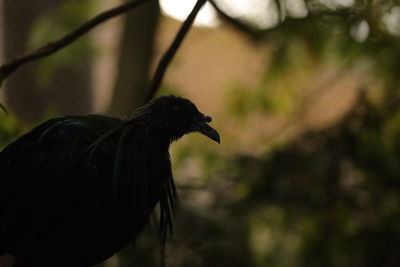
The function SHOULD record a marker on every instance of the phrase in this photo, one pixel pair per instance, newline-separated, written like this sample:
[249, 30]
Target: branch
[3, 108]
[237, 23]
[52, 47]
[168, 56]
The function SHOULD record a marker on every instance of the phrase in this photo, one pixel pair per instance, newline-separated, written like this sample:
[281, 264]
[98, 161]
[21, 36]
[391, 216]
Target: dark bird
[77, 189]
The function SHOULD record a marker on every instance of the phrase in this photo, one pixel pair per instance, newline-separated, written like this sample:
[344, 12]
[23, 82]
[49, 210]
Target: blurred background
[305, 94]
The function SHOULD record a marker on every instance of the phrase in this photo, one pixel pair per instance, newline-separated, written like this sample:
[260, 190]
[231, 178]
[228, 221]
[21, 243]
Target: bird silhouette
[77, 189]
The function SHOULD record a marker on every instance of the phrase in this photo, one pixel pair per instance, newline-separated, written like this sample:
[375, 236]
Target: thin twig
[237, 23]
[52, 47]
[170, 53]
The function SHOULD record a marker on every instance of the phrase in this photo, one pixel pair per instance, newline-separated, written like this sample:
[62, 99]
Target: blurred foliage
[336, 192]
[328, 32]
[10, 128]
[51, 26]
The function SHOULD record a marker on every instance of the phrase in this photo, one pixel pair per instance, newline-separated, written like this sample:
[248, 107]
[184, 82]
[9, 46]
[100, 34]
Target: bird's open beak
[203, 127]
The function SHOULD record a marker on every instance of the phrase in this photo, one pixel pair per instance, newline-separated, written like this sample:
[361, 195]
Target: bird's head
[173, 116]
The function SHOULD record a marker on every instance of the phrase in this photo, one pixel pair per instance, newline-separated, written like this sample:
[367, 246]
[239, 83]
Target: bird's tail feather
[168, 204]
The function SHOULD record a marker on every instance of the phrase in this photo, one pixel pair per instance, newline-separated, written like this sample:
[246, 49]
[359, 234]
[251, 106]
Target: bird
[77, 189]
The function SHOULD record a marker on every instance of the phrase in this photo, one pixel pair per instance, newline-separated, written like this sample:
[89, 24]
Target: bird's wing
[44, 171]
[20, 156]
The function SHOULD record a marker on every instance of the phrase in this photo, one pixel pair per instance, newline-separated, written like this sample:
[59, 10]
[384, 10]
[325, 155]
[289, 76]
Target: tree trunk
[136, 53]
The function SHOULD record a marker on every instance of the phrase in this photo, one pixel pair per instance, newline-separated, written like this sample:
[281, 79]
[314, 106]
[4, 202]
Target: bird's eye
[175, 108]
